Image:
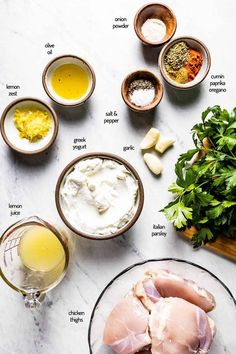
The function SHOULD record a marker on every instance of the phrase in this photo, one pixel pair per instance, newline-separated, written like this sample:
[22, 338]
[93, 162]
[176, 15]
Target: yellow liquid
[40, 250]
[70, 81]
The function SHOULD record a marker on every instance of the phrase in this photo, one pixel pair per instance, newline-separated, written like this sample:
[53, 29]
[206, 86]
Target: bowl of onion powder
[155, 24]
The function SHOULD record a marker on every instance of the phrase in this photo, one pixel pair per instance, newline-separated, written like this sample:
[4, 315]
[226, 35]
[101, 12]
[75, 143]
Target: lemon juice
[42, 253]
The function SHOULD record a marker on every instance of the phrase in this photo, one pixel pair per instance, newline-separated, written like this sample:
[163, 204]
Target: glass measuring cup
[34, 257]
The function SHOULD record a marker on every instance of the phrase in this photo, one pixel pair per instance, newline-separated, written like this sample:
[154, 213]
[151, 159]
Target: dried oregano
[177, 55]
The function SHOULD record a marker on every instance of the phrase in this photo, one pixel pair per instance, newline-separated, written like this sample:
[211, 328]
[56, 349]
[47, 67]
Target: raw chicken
[179, 327]
[126, 330]
[166, 284]
[146, 291]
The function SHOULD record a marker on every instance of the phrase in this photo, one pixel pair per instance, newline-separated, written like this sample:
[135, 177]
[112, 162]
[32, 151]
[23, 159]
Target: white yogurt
[99, 196]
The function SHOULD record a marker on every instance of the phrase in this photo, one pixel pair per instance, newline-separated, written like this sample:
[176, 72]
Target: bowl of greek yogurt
[99, 196]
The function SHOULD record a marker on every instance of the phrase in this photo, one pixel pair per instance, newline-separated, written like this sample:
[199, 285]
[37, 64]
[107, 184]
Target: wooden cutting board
[223, 246]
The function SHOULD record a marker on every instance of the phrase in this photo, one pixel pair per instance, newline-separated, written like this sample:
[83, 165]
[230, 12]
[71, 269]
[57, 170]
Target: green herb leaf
[178, 214]
[175, 188]
[206, 189]
[227, 140]
[202, 236]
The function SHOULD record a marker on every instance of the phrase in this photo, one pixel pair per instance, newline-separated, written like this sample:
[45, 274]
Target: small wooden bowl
[69, 168]
[67, 59]
[192, 43]
[10, 133]
[146, 75]
[161, 12]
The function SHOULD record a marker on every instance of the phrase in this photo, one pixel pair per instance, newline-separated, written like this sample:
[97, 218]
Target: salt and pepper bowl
[192, 43]
[160, 12]
[145, 75]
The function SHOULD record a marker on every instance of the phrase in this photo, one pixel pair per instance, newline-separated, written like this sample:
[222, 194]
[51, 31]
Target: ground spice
[154, 30]
[194, 64]
[183, 63]
[140, 84]
[180, 76]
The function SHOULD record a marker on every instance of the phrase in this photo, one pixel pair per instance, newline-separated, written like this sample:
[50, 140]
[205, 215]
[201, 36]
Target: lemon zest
[32, 123]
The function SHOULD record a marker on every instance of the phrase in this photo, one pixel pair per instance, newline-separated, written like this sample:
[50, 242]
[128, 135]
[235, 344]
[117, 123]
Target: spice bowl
[165, 23]
[128, 88]
[91, 197]
[69, 80]
[26, 110]
[195, 45]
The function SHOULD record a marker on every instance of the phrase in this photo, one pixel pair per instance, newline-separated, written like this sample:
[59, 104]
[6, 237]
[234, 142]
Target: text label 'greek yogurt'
[76, 316]
[49, 47]
[15, 209]
[120, 22]
[12, 89]
[128, 148]
[218, 83]
[109, 119]
[79, 144]
[159, 230]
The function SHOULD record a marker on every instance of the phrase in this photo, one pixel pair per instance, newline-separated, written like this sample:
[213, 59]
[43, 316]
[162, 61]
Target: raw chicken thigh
[147, 292]
[164, 314]
[179, 327]
[167, 284]
[126, 330]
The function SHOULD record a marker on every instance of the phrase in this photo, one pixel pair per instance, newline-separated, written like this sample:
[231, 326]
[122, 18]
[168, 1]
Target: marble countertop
[85, 28]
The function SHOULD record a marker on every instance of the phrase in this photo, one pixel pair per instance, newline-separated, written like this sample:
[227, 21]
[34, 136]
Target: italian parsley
[205, 187]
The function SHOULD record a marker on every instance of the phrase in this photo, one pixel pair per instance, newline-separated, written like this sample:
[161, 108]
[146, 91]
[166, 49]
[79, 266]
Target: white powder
[142, 97]
[99, 196]
[154, 30]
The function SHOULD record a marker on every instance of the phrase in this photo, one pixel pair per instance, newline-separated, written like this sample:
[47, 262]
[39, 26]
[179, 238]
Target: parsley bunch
[205, 187]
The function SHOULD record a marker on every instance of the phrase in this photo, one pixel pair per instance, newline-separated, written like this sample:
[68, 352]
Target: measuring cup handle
[33, 299]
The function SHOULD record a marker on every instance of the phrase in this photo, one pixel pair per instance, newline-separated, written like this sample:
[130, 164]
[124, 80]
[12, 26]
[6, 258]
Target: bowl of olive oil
[69, 80]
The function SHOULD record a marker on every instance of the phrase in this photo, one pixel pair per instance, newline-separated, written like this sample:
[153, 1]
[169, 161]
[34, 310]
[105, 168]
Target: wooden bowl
[192, 43]
[161, 12]
[67, 59]
[140, 195]
[142, 74]
[10, 133]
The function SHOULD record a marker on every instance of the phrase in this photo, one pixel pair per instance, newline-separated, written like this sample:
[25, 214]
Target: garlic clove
[163, 144]
[150, 139]
[153, 163]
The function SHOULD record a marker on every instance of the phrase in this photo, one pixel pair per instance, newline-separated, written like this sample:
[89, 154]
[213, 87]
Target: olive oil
[70, 81]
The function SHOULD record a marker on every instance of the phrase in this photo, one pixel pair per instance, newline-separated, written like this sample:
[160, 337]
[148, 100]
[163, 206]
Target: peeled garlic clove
[163, 144]
[150, 139]
[153, 163]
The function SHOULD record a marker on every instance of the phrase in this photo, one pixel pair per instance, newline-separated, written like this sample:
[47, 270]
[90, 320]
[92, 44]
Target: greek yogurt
[99, 196]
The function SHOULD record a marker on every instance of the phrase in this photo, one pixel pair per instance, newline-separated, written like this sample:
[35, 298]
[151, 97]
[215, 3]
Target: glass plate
[224, 314]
